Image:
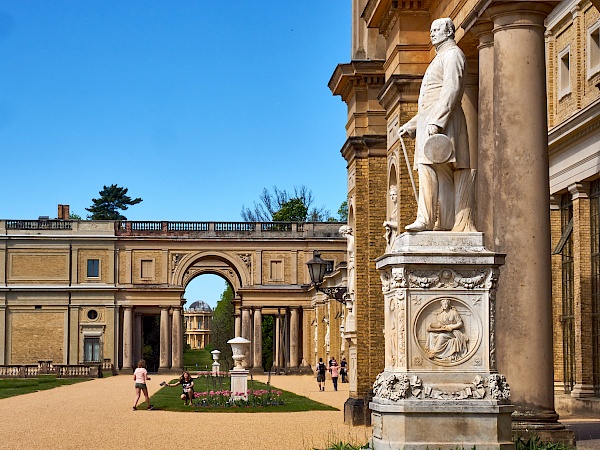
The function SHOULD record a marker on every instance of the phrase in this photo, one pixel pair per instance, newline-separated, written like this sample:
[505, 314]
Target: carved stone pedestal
[440, 387]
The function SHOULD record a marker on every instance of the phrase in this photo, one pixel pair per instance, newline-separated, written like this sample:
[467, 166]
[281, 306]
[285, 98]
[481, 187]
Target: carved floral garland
[396, 387]
[401, 277]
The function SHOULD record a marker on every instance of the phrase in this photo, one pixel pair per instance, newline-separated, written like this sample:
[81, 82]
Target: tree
[343, 212]
[272, 203]
[224, 325]
[294, 210]
[112, 198]
[73, 216]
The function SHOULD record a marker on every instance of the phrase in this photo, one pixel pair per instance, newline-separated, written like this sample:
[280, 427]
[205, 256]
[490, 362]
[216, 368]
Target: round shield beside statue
[438, 148]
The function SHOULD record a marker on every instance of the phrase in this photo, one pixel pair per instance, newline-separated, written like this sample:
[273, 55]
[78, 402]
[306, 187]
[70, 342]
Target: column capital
[554, 202]
[579, 190]
[483, 29]
[519, 14]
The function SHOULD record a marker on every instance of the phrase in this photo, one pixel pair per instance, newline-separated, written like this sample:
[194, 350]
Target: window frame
[564, 89]
[97, 271]
[593, 67]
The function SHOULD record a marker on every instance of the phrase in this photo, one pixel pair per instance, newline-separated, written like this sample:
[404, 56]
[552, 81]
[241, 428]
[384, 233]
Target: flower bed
[223, 398]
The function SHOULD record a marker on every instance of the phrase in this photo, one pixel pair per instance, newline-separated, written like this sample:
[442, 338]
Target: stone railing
[40, 224]
[263, 230]
[61, 371]
[76, 371]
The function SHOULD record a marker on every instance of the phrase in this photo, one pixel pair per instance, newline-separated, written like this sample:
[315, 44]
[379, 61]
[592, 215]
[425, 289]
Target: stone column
[584, 382]
[294, 337]
[237, 325]
[247, 334]
[165, 340]
[137, 338]
[127, 338]
[276, 362]
[485, 132]
[522, 214]
[177, 341]
[257, 341]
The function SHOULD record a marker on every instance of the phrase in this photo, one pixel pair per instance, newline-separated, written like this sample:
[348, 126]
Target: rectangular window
[595, 241]
[91, 350]
[93, 268]
[593, 50]
[276, 271]
[564, 72]
[147, 268]
[568, 295]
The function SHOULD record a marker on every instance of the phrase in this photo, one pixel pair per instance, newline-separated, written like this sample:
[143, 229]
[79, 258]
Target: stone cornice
[482, 6]
[400, 88]
[574, 128]
[358, 147]
[355, 73]
[383, 14]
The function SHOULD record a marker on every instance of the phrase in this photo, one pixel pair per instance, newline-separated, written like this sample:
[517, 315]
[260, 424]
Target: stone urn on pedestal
[215, 366]
[239, 375]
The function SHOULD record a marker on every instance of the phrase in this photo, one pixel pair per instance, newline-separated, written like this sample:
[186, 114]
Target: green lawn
[197, 360]
[9, 387]
[167, 398]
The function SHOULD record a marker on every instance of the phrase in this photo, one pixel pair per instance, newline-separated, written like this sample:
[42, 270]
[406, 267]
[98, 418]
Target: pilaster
[582, 257]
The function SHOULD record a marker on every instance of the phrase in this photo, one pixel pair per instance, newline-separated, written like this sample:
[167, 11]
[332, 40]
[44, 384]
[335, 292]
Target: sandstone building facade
[76, 292]
[525, 134]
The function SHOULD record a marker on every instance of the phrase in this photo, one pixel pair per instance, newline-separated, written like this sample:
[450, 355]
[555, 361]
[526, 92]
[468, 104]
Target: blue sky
[194, 106]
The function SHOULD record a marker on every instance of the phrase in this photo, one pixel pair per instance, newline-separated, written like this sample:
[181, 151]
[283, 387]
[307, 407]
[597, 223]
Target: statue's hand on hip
[433, 129]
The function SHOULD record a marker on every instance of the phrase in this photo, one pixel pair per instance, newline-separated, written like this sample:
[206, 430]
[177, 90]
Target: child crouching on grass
[187, 384]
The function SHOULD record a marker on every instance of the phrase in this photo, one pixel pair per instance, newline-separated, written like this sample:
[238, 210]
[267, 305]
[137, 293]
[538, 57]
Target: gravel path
[98, 414]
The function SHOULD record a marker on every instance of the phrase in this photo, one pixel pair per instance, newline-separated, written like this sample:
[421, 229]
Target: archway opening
[208, 321]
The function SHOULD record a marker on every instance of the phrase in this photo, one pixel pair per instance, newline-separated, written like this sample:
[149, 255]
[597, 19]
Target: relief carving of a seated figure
[445, 340]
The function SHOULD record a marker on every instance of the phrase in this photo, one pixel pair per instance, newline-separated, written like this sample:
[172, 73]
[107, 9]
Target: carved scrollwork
[247, 258]
[385, 281]
[398, 278]
[447, 278]
[498, 387]
[396, 387]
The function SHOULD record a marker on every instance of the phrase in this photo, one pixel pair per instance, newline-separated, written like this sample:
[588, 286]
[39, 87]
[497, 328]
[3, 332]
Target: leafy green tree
[272, 202]
[73, 216]
[112, 198]
[343, 212]
[224, 325]
[294, 210]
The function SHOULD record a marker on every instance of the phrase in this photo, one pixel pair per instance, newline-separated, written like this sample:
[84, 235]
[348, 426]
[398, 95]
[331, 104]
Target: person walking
[344, 370]
[140, 376]
[334, 370]
[320, 371]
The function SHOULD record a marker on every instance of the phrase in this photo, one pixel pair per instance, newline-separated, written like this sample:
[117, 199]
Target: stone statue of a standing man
[440, 112]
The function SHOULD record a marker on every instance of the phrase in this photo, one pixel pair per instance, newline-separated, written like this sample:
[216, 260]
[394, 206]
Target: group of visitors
[140, 376]
[335, 371]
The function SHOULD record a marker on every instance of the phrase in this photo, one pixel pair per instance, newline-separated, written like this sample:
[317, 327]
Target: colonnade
[171, 338]
[287, 336]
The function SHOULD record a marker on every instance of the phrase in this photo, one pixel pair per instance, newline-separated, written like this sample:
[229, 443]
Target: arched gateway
[82, 291]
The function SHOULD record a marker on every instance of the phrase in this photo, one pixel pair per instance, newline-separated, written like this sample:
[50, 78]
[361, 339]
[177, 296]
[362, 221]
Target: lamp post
[316, 269]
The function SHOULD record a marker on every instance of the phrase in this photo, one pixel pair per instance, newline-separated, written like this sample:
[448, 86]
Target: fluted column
[522, 226]
[165, 340]
[127, 338]
[247, 334]
[177, 341]
[257, 344]
[485, 132]
[294, 337]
